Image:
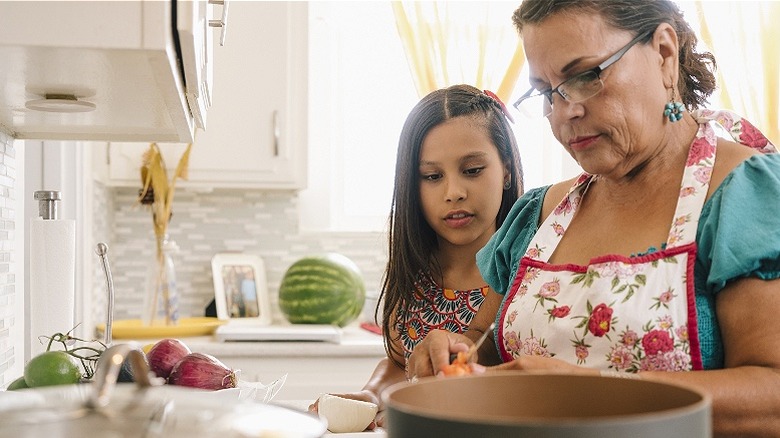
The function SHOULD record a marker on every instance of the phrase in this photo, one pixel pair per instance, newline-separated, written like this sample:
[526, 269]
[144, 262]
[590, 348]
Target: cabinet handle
[276, 133]
[220, 23]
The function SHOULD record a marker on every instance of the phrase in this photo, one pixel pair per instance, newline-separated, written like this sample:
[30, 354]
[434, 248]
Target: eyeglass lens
[575, 89]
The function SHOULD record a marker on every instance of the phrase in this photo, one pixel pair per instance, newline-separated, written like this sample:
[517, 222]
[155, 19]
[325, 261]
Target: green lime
[51, 368]
[17, 384]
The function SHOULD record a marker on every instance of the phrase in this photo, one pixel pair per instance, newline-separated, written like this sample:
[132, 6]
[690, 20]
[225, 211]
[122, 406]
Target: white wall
[11, 261]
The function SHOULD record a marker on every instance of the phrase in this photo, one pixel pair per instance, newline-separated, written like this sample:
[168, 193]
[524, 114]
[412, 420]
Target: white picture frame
[240, 289]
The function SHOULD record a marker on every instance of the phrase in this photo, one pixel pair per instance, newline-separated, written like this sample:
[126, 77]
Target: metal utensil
[102, 252]
[473, 349]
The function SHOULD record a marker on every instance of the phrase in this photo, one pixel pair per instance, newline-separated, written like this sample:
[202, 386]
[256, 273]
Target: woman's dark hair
[697, 80]
[411, 240]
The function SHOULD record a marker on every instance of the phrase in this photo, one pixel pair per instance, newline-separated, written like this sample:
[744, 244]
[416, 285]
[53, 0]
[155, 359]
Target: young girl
[457, 175]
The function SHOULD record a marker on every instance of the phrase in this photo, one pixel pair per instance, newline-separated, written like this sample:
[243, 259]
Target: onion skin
[165, 354]
[203, 371]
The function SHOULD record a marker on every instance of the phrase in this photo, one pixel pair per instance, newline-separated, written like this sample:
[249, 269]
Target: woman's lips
[582, 143]
[458, 219]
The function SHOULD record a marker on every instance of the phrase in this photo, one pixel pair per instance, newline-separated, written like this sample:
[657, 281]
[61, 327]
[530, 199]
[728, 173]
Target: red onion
[165, 354]
[198, 370]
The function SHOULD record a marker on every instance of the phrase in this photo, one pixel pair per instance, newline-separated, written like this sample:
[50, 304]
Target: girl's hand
[432, 354]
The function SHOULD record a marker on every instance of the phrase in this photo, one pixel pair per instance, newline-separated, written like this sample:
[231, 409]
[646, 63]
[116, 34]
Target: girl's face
[461, 182]
[614, 131]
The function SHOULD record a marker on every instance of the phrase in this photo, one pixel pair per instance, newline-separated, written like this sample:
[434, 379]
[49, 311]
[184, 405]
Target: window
[360, 92]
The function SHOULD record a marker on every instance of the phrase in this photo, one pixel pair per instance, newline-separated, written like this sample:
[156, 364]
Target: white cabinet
[307, 377]
[257, 125]
[86, 70]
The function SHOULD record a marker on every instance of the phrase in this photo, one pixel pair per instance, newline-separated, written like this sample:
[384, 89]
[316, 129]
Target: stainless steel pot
[522, 404]
[104, 409]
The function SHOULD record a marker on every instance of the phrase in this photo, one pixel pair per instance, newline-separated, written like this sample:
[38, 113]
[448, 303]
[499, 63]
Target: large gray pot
[520, 404]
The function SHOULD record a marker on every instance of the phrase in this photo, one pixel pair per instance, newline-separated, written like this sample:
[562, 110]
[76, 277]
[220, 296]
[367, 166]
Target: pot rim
[704, 403]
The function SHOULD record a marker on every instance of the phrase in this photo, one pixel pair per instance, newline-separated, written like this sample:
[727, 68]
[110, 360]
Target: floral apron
[622, 313]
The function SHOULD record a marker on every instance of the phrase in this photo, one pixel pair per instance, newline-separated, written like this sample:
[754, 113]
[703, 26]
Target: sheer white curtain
[471, 42]
[744, 37]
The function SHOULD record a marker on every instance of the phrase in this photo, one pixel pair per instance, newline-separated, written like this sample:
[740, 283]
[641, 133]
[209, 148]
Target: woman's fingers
[539, 363]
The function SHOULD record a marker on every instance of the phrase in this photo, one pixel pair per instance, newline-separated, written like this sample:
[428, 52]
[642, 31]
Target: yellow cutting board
[134, 329]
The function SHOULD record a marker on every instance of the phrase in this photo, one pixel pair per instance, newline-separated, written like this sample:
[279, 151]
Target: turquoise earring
[673, 110]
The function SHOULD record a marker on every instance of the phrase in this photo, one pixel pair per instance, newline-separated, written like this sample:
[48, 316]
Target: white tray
[295, 332]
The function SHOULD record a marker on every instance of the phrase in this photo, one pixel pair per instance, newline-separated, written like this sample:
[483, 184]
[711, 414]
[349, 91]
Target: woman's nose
[565, 109]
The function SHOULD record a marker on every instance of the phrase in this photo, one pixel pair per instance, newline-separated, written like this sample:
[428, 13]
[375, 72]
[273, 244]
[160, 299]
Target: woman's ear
[666, 43]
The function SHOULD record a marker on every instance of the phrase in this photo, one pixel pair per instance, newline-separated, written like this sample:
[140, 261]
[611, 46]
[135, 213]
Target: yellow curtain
[743, 37]
[471, 42]
[474, 42]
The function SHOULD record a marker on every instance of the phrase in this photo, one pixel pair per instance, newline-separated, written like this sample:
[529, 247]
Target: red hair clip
[493, 96]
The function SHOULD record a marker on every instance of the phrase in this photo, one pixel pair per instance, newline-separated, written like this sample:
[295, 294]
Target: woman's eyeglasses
[535, 104]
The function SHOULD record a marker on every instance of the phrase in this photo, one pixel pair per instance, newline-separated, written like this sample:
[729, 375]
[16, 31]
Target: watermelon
[322, 289]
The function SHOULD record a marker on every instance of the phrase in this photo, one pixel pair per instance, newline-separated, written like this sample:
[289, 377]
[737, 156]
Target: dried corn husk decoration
[154, 178]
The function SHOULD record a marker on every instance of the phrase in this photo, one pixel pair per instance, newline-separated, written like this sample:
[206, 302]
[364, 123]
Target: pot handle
[107, 371]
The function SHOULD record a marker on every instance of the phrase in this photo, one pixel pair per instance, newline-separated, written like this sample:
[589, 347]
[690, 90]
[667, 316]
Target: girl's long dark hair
[412, 242]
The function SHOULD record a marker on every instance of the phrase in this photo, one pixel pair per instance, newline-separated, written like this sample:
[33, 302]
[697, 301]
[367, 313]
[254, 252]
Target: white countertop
[311, 367]
[355, 342]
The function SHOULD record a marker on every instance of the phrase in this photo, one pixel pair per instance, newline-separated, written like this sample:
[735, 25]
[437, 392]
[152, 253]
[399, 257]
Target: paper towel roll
[52, 279]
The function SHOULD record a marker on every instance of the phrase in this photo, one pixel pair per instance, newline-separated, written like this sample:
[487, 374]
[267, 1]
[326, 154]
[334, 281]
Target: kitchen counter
[312, 368]
[355, 343]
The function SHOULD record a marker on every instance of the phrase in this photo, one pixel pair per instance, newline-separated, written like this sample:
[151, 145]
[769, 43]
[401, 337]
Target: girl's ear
[667, 45]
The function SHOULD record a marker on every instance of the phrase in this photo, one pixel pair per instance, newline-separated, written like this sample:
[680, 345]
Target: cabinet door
[255, 135]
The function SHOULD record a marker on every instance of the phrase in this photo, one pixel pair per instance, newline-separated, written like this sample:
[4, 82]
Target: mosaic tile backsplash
[8, 258]
[263, 223]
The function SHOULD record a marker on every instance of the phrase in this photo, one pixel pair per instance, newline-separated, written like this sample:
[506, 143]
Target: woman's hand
[432, 354]
[539, 363]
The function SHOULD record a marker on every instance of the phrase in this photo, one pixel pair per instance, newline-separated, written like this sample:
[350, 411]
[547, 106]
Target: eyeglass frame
[597, 70]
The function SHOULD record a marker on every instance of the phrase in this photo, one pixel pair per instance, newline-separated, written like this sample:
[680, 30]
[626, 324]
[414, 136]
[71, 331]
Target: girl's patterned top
[438, 308]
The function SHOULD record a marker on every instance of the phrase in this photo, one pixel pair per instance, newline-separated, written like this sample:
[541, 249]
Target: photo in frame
[240, 289]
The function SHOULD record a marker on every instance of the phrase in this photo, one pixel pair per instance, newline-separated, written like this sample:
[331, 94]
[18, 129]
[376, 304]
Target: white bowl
[345, 415]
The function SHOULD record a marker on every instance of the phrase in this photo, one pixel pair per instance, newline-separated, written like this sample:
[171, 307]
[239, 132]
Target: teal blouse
[738, 236]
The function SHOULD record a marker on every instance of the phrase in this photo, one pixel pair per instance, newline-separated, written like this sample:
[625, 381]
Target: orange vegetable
[458, 367]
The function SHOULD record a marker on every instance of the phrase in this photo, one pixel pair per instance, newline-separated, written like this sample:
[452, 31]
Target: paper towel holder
[47, 204]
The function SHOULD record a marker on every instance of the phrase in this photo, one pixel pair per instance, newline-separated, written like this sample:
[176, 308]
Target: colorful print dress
[438, 308]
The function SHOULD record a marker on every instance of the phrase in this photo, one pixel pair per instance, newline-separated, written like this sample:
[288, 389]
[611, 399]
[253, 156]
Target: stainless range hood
[102, 70]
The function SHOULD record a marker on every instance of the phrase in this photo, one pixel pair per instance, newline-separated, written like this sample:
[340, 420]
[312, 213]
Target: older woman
[664, 255]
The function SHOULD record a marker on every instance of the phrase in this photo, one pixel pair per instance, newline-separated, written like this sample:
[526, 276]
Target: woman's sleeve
[739, 233]
[499, 259]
